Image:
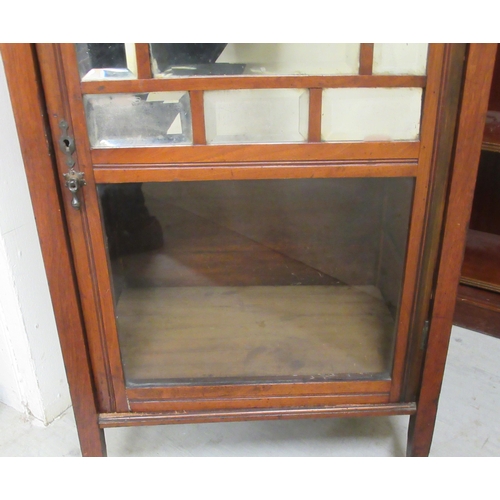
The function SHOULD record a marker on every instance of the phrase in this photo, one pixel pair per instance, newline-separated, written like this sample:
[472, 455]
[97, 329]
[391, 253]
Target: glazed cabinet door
[251, 222]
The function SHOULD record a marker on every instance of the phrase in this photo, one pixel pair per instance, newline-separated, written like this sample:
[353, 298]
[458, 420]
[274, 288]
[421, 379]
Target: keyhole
[67, 145]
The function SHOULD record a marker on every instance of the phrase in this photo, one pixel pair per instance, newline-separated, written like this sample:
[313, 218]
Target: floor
[467, 424]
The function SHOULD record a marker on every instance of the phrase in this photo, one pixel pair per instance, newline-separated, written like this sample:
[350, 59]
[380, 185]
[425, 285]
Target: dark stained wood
[478, 305]
[349, 151]
[315, 100]
[481, 265]
[143, 61]
[29, 110]
[250, 82]
[366, 59]
[485, 216]
[354, 410]
[478, 310]
[491, 139]
[468, 146]
[198, 117]
[494, 99]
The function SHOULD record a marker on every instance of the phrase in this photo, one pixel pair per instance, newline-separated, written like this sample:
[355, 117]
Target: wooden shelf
[478, 310]
[253, 331]
[478, 297]
[481, 266]
[491, 139]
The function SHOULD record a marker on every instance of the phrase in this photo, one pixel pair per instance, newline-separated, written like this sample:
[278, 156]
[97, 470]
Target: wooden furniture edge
[478, 310]
[477, 82]
[129, 419]
[28, 104]
[250, 82]
[437, 141]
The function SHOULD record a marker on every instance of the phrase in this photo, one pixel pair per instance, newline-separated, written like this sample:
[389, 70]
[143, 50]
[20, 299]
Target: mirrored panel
[106, 61]
[230, 281]
[135, 120]
[190, 59]
[371, 114]
[400, 58]
[258, 116]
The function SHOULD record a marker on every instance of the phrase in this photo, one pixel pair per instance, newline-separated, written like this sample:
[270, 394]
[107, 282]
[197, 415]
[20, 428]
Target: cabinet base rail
[130, 419]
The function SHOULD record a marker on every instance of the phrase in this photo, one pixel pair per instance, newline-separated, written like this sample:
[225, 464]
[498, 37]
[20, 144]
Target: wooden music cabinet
[251, 231]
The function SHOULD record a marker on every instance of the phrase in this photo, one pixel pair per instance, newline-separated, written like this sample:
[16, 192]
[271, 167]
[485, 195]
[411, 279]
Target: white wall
[32, 376]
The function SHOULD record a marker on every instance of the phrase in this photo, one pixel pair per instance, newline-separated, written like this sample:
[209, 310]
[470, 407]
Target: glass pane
[106, 61]
[366, 114]
[400, 58]
[185, 59]
[225, 281]
[262, 115]
[133, 120]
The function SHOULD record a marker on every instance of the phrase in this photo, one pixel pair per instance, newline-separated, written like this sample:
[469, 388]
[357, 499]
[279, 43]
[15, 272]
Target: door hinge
[74, 180]
[425, 334]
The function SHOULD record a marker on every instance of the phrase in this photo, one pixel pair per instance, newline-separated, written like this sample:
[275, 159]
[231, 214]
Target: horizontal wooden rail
[128, 419]
[110, 174]
[258, 389]
[231, 153]
[250, 82]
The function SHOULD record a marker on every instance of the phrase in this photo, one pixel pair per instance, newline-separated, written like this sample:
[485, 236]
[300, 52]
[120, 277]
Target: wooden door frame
[30, 112]
[28, 103]
[469, 135]
[60, 73]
